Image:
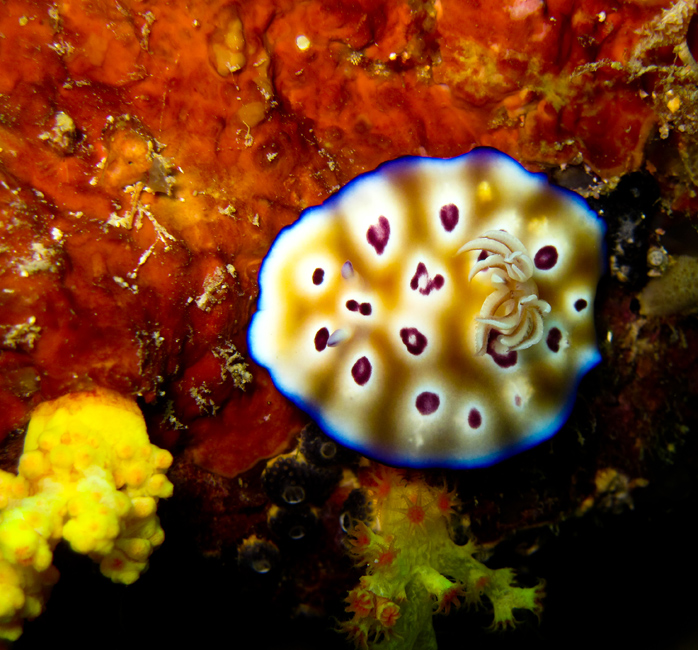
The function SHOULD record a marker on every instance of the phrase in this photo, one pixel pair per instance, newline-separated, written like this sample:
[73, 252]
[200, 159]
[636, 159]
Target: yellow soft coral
[88, 475]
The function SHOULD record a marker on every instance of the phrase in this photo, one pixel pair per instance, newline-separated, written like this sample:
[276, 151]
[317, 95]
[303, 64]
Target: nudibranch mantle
[434, 312]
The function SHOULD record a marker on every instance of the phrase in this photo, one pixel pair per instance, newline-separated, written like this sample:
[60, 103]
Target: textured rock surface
[150, 153]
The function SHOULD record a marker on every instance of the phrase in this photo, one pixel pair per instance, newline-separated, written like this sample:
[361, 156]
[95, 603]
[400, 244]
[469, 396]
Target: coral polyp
[414, 569]
[90, 476]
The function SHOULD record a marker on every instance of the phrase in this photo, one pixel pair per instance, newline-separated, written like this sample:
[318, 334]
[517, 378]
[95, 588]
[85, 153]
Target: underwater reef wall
[150, 153]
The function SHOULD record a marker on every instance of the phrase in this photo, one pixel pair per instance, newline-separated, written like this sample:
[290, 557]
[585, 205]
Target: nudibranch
[434, 312]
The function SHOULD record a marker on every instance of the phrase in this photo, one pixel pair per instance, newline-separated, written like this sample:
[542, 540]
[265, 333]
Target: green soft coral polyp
[414, 569]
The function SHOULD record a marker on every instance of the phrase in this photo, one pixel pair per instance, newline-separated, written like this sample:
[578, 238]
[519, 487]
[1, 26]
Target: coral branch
[414, 569]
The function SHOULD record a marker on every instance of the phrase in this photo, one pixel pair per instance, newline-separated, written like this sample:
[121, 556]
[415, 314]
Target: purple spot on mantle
[321, 339]
[545, 258]
[318, 276]
[502, 360]
[414, 340]
[361, 371]
[427, 402]
[449, 216]
[379, 234]
[474, 418]
[482, 256]
[580, 304]
[554, 338]
[364, 308]
[420, 272]
[517, 400]
[421, 280]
